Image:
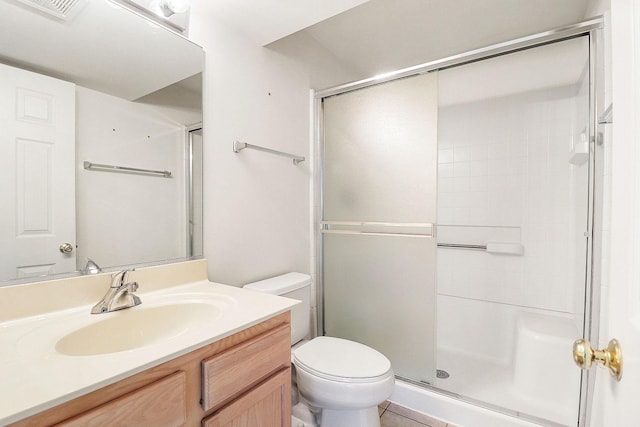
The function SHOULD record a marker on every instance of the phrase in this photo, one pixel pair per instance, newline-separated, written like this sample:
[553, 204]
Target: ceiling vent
[62, 9]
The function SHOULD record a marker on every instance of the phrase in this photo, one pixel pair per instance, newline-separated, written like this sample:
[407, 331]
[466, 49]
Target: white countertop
[35, 377]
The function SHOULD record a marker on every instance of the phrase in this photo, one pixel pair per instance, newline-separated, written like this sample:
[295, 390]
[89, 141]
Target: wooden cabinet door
[267, 405]
[234, 371]
[158, 404]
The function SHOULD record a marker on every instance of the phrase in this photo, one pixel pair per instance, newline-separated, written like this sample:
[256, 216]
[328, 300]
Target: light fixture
[166, 8]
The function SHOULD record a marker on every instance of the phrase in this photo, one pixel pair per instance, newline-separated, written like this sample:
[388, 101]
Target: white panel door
[37, 174]
[618, 403]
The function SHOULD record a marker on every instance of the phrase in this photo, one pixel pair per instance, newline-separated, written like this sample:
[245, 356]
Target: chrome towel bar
[392, 229]
[112, 168]
[497, 248]
[374, 233]
[238, 146]
[462, 246]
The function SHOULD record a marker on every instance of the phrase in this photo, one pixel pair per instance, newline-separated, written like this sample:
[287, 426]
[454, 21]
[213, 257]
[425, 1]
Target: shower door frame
[593, 29]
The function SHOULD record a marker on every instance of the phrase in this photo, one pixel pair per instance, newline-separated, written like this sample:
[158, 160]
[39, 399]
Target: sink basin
[137, 327]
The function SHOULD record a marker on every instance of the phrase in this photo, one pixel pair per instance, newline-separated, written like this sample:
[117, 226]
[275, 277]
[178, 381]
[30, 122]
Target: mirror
[100, 139]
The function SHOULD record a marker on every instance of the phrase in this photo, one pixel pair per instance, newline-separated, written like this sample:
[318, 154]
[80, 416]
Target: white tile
[497, 151]
[446, 215]
[518, 165]
[478, 216]
[447, 200]
[518, 147]
[479, 168]
[479, 152]
[445, 155]
[446, 185]
[478, 183]
[462, 154]
[461, 200]
[461, 183]
[443, 141]
[498, 166]
[462, 169]
[445, 170]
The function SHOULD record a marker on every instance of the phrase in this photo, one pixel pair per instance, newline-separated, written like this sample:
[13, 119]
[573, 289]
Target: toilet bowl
[342, 381]
[345, 379]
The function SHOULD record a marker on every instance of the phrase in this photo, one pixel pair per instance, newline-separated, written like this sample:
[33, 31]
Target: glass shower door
[379, 194]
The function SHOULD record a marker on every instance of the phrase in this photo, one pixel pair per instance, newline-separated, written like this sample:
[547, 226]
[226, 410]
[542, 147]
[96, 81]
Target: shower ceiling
[502, 76]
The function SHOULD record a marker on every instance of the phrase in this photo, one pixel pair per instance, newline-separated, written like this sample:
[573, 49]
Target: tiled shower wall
[504, 175]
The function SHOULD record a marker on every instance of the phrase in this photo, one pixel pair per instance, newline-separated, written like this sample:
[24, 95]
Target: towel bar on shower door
[390, 229]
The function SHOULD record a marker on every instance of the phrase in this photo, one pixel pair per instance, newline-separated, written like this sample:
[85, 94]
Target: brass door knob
[611, 357]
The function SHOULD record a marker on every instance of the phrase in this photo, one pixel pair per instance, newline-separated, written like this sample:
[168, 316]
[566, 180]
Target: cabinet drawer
[230, 373]
[161, 403]
[267, 405]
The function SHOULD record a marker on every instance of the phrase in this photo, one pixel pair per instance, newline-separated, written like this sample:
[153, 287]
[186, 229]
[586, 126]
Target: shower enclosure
[456, 221]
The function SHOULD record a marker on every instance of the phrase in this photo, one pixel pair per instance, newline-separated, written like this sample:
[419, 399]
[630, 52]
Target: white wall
[142, 218]
[256, 205]
[324, 68]
[597, 7]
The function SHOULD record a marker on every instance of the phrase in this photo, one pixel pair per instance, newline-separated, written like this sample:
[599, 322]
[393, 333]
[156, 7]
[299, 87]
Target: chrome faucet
[120, 295]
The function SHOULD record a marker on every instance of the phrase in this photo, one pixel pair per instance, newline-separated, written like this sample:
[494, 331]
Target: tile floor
[392, 415]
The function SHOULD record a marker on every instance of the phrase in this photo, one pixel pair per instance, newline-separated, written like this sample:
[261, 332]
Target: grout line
[411, 416]
[407, 418]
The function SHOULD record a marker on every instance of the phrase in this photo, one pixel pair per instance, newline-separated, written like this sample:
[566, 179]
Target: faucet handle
[133, 286]
[118, 279]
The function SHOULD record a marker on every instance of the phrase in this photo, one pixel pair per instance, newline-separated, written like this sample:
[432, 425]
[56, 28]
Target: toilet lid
[341, 360]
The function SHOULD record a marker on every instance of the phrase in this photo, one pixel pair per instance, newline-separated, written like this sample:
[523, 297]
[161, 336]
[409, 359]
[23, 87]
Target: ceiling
[359, 37]
[89, 48]
[266, 21]
[516, 73]
[385, 35]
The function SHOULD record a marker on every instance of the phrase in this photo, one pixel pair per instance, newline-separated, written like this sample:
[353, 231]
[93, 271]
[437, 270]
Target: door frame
[190, 158]
[592, 28]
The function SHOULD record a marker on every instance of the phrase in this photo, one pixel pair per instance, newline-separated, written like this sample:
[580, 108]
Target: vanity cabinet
[263, 406]
[160, 403]
[242, 380]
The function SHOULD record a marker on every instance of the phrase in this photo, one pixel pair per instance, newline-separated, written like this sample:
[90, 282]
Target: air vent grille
[59, 8]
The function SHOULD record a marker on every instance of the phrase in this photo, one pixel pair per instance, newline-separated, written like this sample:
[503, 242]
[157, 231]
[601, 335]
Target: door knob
[611, 357]
[66, 248]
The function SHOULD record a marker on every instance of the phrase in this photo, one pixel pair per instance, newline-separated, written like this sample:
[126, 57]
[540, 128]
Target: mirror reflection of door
[37, 176]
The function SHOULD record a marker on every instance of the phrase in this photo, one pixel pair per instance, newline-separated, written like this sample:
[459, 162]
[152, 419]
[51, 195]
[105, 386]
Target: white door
[37, 174]
[618, 403]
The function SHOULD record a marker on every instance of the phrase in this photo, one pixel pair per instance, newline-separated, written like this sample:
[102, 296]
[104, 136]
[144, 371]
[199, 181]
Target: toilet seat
[340, 360]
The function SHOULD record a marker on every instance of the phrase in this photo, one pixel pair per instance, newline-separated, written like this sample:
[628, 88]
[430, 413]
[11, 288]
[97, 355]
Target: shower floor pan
[493, 383]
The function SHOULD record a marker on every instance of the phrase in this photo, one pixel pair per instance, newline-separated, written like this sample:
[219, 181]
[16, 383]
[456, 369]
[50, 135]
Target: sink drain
[443, 375]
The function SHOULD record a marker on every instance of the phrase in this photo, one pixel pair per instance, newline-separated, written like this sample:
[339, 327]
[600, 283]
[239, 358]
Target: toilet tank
[295, 286]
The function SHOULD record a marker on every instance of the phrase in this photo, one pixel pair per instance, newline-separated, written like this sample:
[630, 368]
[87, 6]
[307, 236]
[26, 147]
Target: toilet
[341, 381]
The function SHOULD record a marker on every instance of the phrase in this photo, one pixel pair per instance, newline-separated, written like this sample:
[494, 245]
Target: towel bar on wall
[237, 146]
[124, 169]
[503, 248]
[462, 246]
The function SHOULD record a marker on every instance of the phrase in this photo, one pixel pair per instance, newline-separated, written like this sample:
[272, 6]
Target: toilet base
[350, 418]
